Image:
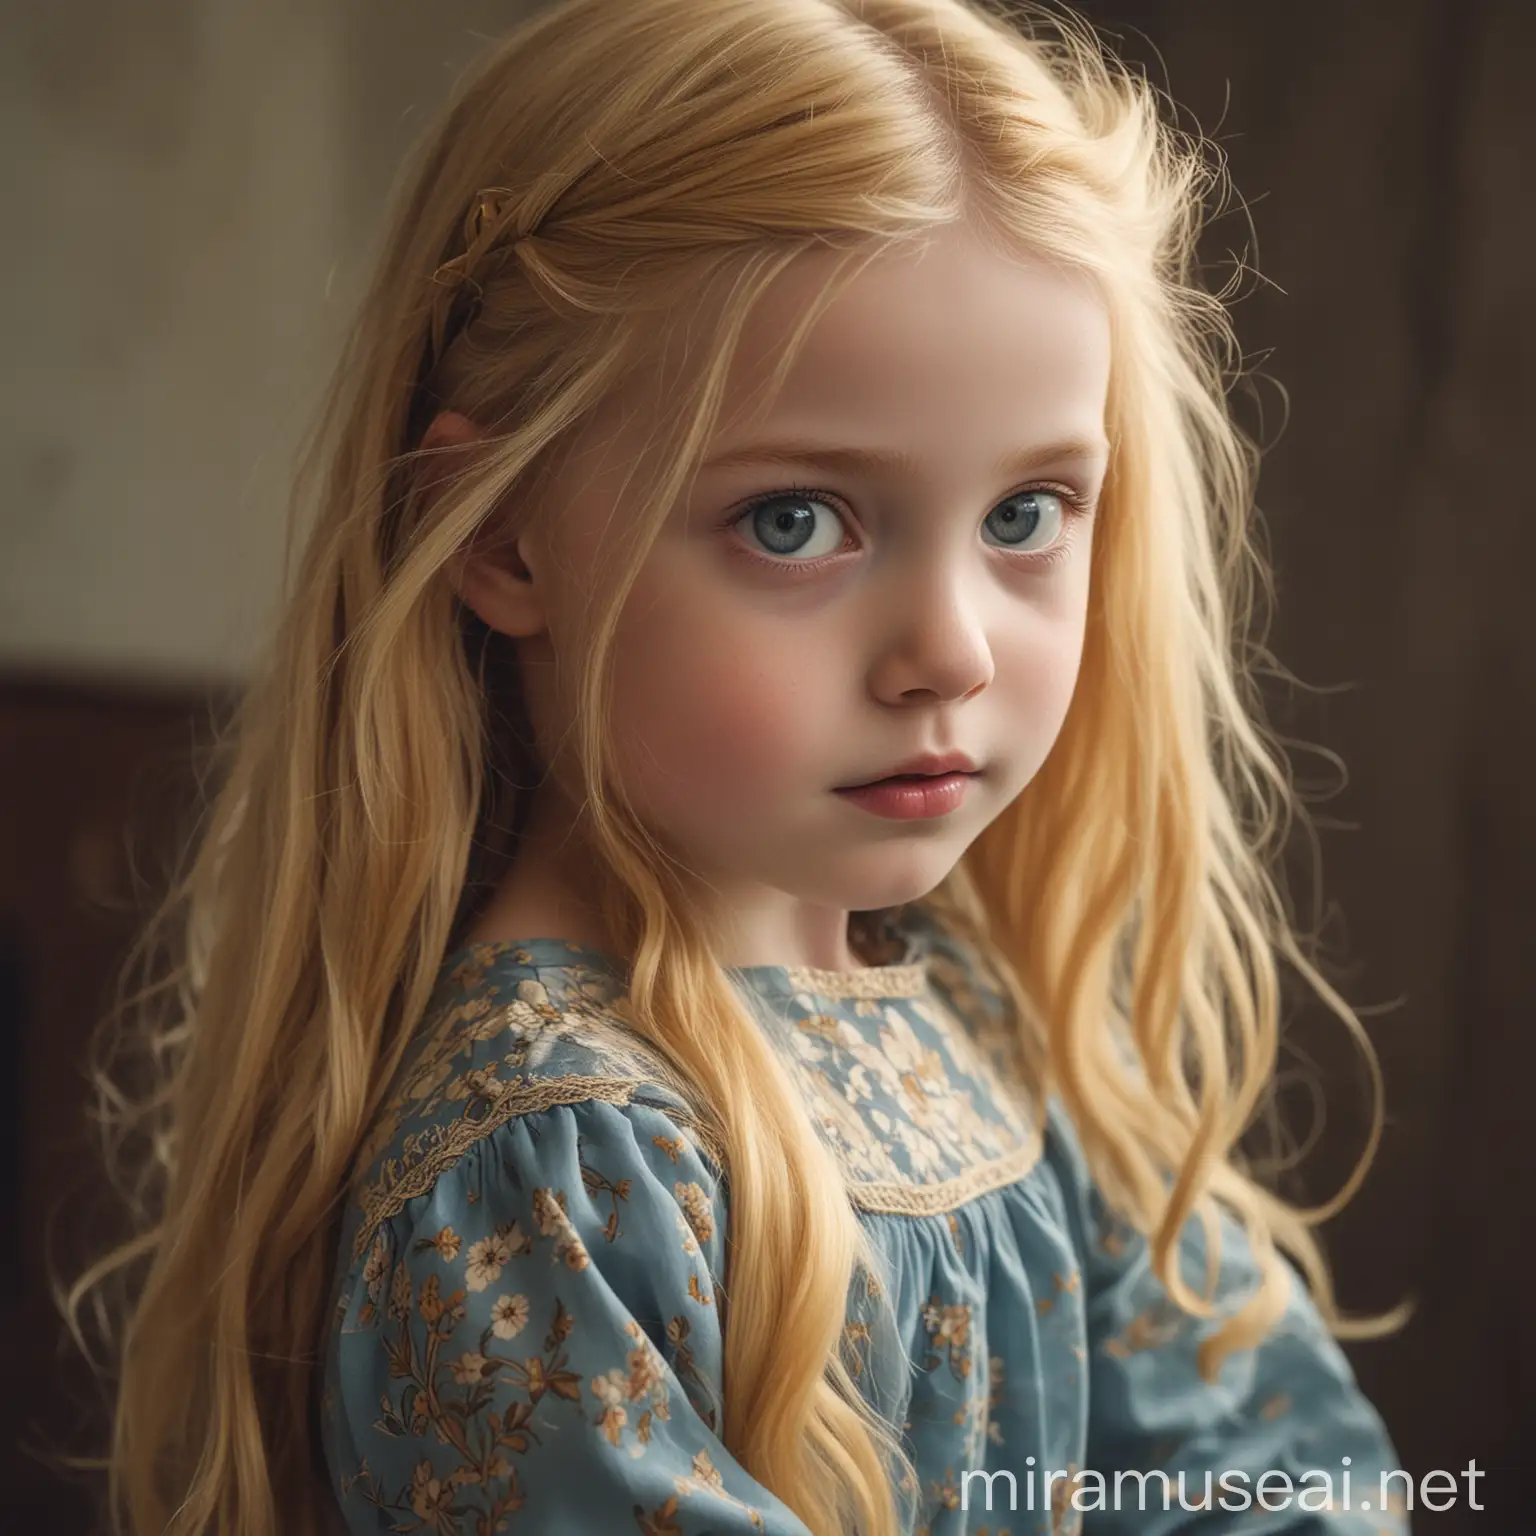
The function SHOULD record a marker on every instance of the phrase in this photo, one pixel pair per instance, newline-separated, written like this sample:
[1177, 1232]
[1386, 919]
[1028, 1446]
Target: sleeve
[1282, 1442]
[535, 1342]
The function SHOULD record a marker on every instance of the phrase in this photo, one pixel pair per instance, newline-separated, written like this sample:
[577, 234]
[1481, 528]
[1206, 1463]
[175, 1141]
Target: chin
[909, 877]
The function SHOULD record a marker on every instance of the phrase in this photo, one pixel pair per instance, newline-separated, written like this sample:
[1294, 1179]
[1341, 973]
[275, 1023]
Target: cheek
[1037, 649]
[1042, 678]
[709, 715]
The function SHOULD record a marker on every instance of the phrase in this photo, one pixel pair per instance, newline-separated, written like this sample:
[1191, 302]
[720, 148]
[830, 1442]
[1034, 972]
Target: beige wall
[190, 186]
[165, 314]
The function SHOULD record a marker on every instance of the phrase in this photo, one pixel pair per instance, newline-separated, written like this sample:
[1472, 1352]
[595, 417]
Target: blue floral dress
[525, 1333]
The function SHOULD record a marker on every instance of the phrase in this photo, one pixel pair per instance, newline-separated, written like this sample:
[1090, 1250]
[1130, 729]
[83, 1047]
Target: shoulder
[558, 1269]
[505, 1047]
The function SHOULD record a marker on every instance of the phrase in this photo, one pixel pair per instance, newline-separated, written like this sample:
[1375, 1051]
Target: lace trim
[385, 1200]
[899, 1199]
[935, 1199]
[388, 1197]
[876, 983]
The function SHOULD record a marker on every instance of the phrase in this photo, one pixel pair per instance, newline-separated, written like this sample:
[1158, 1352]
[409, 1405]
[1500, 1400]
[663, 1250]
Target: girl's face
[893, 560]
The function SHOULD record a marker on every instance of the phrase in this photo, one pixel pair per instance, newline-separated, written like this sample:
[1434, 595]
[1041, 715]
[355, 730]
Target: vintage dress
[525, 1335]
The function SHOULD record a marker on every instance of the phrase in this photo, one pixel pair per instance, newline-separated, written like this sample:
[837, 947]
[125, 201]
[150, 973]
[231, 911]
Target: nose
[936, 645]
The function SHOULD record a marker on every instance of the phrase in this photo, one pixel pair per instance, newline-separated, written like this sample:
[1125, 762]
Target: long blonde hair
[609, 158]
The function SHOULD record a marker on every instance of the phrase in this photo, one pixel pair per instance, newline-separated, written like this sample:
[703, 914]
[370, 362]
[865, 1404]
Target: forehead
[919, 333]
[952, 350]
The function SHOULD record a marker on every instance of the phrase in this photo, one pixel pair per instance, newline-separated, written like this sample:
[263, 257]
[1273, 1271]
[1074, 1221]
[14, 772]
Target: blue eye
[1032, 524]
[1020, 516]
[787, 524]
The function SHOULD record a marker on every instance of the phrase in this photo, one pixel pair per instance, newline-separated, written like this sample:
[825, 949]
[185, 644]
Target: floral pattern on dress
[910, 1105]
[903, 1089]
[532, 1283]
[497, 1042]
[479, 1338]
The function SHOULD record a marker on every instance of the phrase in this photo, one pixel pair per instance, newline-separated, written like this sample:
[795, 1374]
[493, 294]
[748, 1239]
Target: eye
[794, 523]
[805, 527]
[1018, 518]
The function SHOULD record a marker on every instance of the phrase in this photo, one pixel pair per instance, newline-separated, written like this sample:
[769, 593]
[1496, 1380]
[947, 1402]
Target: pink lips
[911, 799]
[930, 764]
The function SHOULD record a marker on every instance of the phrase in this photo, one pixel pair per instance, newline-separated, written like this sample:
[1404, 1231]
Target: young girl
[733, 950]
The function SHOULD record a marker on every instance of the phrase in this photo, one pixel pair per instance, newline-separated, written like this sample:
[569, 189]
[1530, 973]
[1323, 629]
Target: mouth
[911, 797]
[911, 778]
[952, 783]
[929, 766]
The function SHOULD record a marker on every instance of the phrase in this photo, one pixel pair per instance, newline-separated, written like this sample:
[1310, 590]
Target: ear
[490, 573]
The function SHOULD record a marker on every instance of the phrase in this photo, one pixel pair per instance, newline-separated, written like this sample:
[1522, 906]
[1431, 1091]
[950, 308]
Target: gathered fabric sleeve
[1282, 1442]
[535, 1344]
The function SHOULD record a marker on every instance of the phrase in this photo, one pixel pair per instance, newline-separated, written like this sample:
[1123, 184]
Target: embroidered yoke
[526, 1330]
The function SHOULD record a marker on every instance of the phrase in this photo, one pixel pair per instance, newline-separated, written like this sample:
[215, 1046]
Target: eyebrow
[896, 459]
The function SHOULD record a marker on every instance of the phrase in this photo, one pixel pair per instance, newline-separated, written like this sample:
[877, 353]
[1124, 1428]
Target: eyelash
[1075, 502]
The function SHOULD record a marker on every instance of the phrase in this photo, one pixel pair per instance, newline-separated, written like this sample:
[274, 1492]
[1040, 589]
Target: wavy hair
[365, 792]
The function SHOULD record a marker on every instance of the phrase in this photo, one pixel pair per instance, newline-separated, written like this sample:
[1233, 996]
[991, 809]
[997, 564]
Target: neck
[548, 892]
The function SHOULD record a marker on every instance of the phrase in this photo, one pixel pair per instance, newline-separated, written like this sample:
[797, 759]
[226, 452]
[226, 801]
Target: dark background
[1384, 154]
